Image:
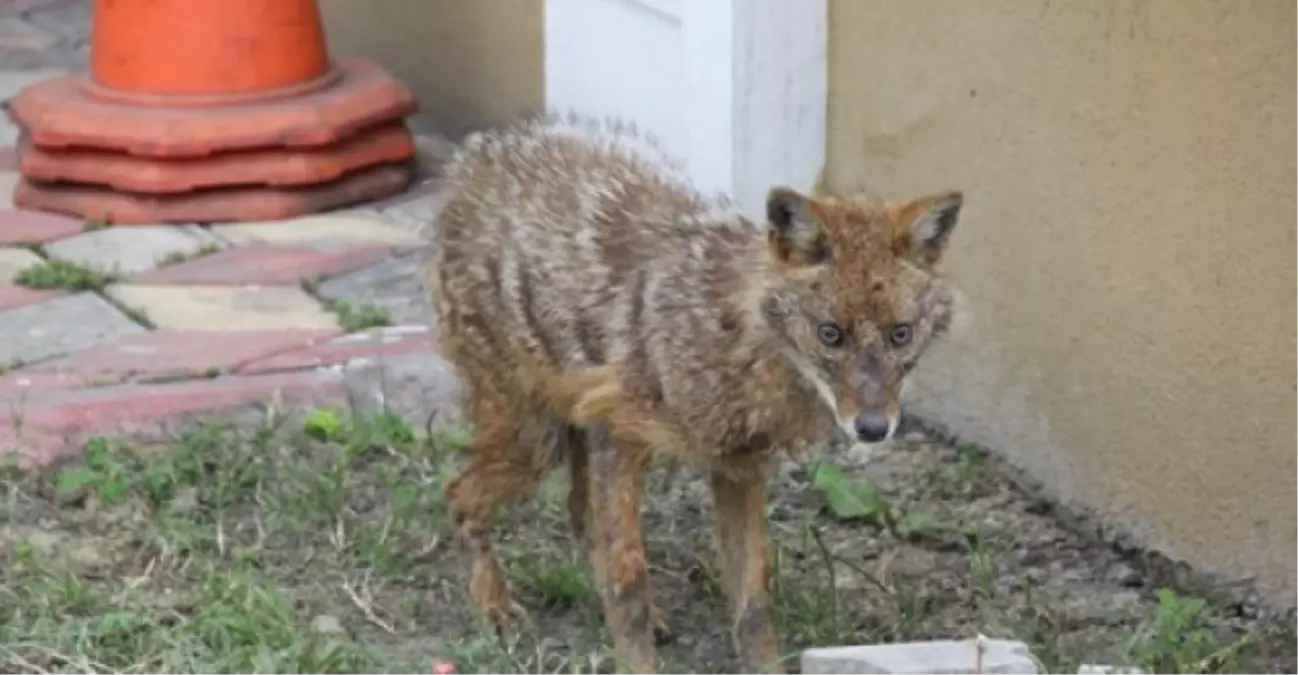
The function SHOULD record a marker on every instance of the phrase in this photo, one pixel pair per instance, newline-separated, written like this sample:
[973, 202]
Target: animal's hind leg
[578, 452]
[508, 460]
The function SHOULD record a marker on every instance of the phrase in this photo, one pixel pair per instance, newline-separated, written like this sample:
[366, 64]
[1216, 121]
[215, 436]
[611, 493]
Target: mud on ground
[321, 545]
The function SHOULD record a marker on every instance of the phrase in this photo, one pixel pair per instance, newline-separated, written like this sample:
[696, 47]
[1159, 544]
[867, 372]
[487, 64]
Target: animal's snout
[872, 427]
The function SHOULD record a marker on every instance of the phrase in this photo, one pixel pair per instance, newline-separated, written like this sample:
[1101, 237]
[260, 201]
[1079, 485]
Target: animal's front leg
[739, 498]
[616, 484]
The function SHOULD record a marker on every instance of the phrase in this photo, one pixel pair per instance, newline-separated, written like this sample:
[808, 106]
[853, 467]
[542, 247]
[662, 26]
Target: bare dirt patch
[321, 545]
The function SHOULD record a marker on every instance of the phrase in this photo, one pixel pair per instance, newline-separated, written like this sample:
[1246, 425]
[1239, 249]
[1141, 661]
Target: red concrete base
[280, 167]
[222, 204]
[70, 111]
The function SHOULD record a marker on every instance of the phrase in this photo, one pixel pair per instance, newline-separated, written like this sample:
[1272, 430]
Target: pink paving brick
[56, 421]
[18, 226]
[171, 354]
[13, 295]
[375, 344]
[20, 385]
[265, 265]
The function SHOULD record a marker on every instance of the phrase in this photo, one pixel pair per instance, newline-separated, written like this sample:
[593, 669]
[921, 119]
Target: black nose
[872, 427]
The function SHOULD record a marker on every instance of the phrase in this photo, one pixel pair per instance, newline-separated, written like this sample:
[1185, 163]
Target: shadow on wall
[471, 63]
[1127, 247]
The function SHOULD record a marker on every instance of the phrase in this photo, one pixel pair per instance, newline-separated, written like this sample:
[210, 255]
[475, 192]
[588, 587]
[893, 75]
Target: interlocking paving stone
[17, 35]
[69, 21]
[373, 344]
[8, 180]
[16, 386]
[398, 285]
[14, 260]
[20, 226]
[56, 421]
[420, 387]
[131, 250]
[13, 296]
[11, 82]
[265, 265]
[38, 5]
[60, 326]
[170, 354]
[417, 213]
[225, 307]
[319, 229]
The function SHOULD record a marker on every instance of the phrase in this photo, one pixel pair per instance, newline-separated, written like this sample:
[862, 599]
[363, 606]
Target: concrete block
[15, 260]
[398, 285]
[8, 179]
[131, 250]
[265, 265]
[939, 656]
[12, 82]
[60, 326]
[17, 35]
[329, 230]
[36, 227]
[236, 308]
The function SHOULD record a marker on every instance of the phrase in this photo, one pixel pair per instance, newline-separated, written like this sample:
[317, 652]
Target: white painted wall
[734, 88]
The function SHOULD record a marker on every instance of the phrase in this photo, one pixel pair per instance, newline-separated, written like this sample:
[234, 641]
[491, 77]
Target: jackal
[602, 311]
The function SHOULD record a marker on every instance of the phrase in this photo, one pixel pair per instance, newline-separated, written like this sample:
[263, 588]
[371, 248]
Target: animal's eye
[830, 334]
[899, 335]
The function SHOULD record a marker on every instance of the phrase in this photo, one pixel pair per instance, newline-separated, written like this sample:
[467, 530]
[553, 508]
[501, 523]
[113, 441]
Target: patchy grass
[64, 274]
[177, 257]
[355, 318]
[320, 544]
[136, 314]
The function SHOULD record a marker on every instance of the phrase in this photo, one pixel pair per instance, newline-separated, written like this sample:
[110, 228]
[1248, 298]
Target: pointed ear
[795, 230]
[926, 225]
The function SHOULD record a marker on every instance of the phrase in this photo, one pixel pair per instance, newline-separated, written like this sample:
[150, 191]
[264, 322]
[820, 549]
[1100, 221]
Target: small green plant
[1179, 638]
[355, 318]
[103, 474]
[63, 274]
[562, 582]
[359, 432]
[177, 257]
[850, 499]
[137, 315]
[958, 478]
[452, 437]
[324, 425]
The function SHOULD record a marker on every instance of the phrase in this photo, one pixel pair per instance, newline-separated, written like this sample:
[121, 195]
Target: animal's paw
[658, 619]
[500, 612]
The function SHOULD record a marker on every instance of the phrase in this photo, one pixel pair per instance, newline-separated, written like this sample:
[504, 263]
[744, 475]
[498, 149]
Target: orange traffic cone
[202, 110]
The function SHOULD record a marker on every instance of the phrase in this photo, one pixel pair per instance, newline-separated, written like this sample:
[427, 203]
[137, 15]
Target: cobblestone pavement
[187, 319]
[37, 34]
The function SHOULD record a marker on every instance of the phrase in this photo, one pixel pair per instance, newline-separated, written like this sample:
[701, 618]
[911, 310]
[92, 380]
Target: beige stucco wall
[1127, 245]
[470, 62]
